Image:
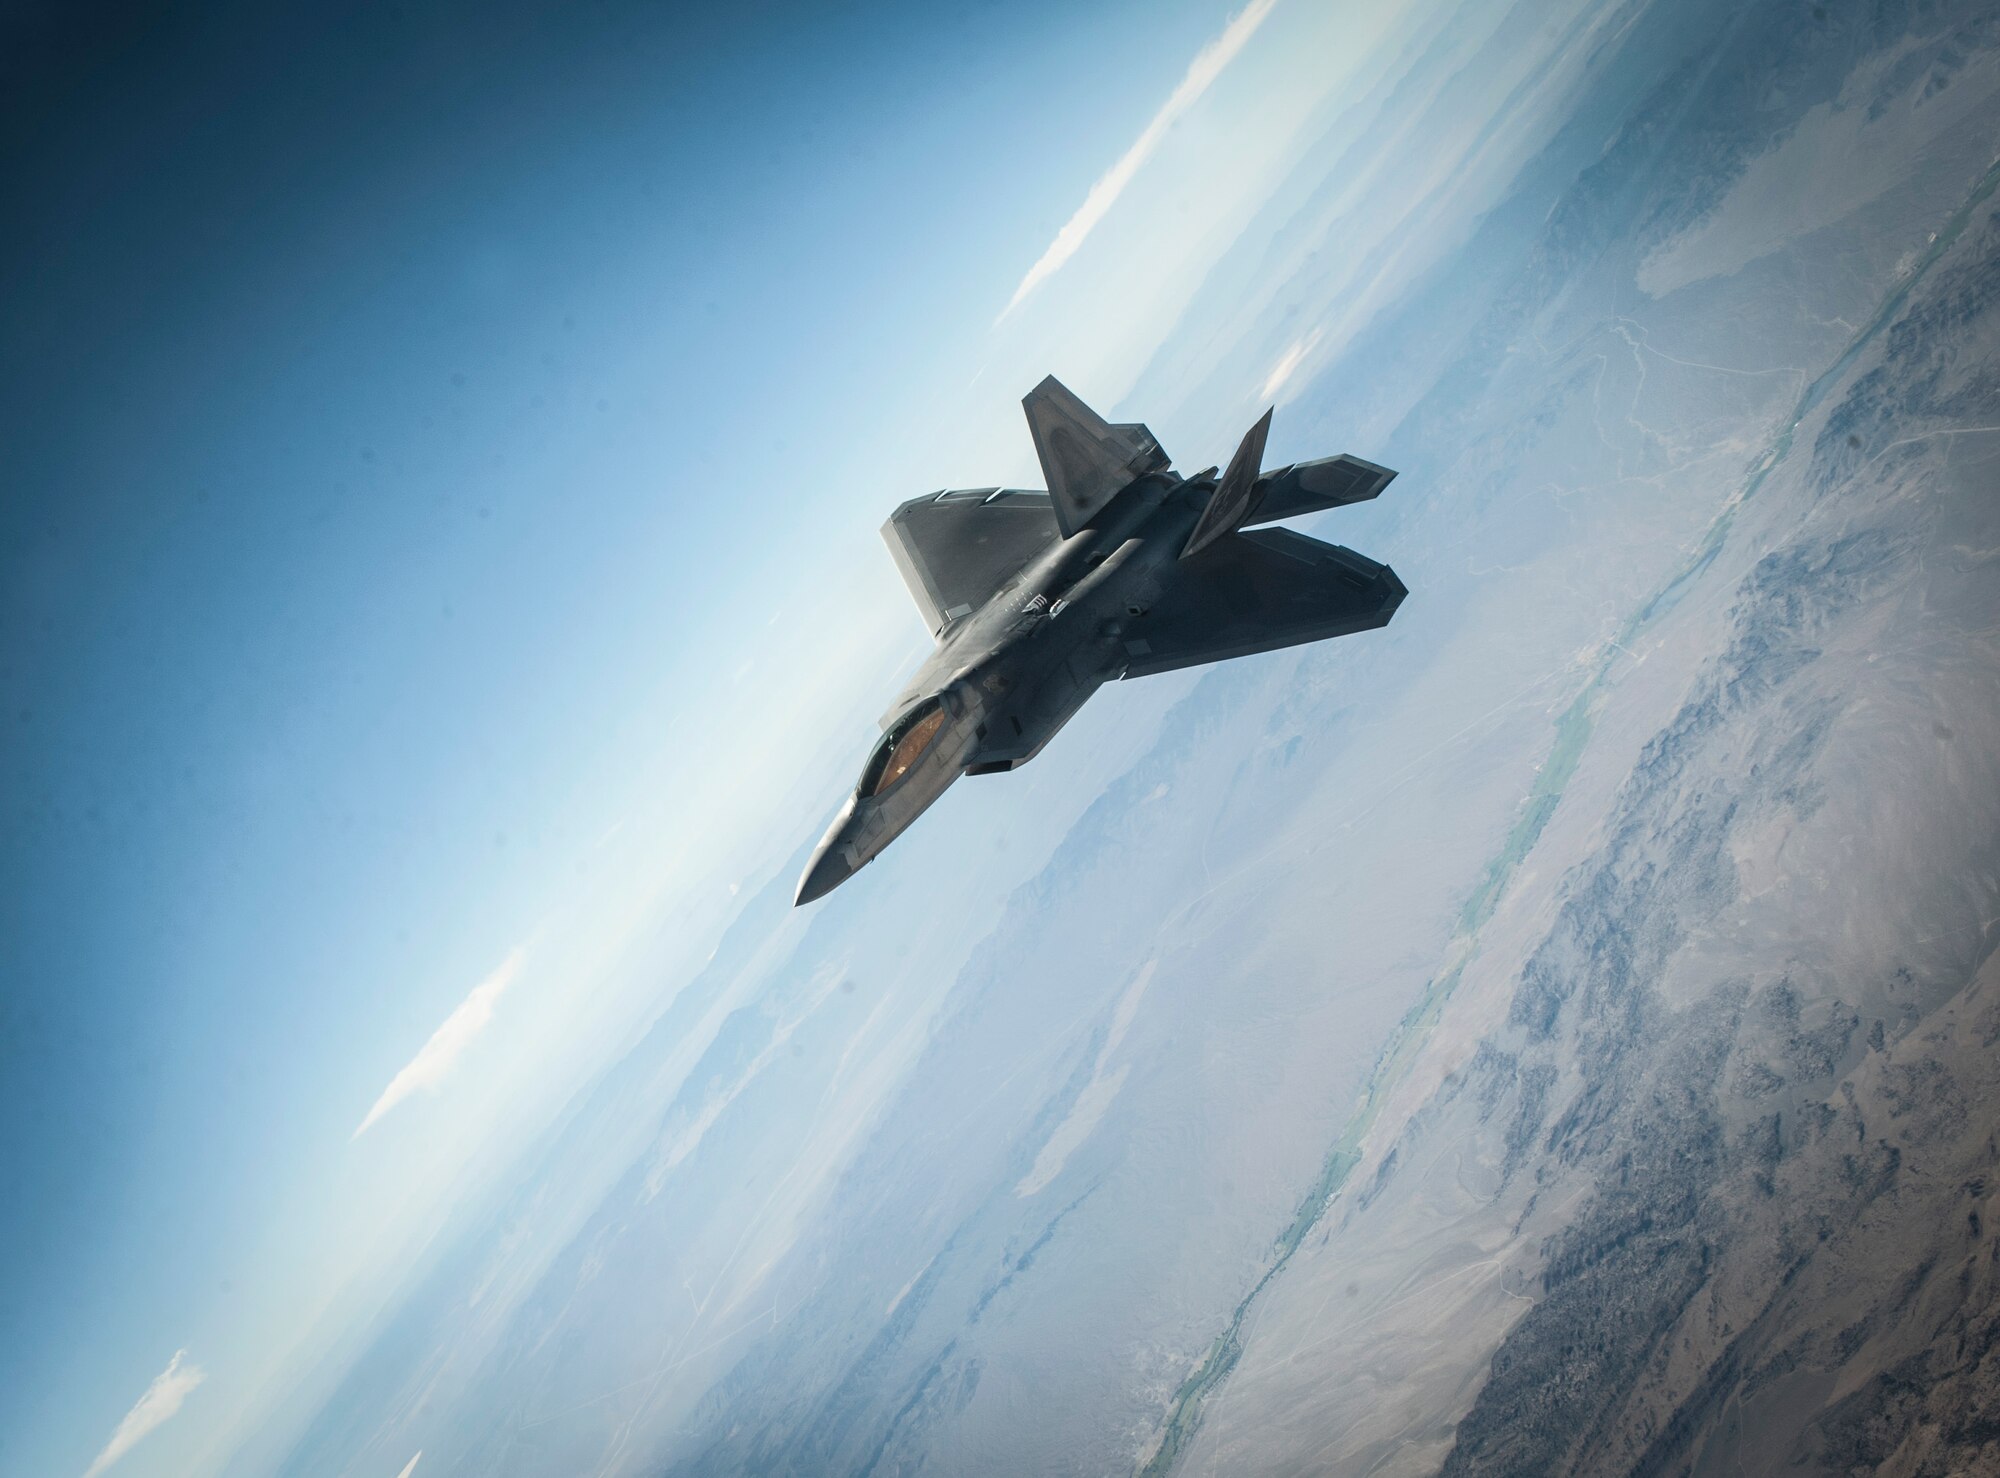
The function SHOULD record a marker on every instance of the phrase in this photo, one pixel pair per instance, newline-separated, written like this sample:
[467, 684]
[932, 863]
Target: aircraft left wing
[1256, 592]
[956, 548]
[1086, 461]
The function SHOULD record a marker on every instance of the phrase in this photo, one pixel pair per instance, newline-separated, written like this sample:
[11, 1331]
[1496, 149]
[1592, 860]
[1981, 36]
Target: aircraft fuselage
[1107, 575]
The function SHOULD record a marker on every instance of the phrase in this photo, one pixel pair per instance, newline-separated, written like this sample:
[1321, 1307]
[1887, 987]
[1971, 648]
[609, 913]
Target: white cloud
[435, 1060]
[162, 1399]
[1202, 71]
[1289, 362]
[411, 1466]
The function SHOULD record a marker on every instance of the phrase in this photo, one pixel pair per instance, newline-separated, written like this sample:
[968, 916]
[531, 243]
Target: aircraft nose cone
[827, 871]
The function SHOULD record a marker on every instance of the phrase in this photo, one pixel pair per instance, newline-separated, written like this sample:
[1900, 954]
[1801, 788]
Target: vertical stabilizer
[1236, 499]
[1086, 462]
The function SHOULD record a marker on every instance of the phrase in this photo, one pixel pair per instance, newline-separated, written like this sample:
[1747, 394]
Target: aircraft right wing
[955, 549]
[1257, 592]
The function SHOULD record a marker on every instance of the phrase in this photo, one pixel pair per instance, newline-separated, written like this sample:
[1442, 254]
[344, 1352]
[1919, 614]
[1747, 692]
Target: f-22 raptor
[1121, 569]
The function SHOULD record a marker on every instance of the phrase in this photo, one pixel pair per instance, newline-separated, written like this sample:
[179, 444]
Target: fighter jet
[1121, 568]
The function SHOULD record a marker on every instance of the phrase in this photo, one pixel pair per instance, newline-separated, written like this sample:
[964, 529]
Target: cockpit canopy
[903, 746]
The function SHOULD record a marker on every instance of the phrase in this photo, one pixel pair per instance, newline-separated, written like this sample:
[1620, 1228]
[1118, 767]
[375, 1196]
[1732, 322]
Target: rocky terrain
[1698, 1164]
[1755, 1052]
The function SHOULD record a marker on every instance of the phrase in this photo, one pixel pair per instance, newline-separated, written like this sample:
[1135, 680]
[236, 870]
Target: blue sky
[444, 456]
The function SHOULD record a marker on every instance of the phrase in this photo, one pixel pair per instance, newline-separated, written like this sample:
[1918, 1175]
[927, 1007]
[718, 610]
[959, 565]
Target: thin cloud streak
[411, 1466]
[436, 1058]
[1281, 373]
[1202, 71]
[161, 1400]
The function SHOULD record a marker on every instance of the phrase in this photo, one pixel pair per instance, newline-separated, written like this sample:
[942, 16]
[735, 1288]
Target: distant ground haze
[1552, 1035]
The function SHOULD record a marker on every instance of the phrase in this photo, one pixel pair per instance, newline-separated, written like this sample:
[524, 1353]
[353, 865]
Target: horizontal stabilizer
[1086, 461]
[1308, 487]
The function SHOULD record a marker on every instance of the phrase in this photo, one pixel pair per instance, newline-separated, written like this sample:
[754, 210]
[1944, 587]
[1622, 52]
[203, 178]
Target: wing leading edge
[956, 548]
[1257, 592]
